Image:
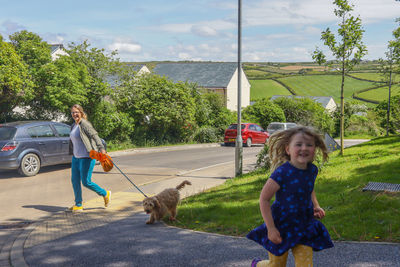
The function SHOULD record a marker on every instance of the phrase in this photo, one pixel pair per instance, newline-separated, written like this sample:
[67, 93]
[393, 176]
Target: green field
[372, 76]
[381, 93]
[266, 89]
[325, 85]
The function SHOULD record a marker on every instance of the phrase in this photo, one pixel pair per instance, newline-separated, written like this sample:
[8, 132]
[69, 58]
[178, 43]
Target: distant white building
[139, 68]
[218, 77]
[327, 102]
[57, 50]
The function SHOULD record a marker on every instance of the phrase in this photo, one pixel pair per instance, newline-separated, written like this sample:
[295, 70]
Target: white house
[218, 77]
[57, 50]
[327, 102]
[139, 68]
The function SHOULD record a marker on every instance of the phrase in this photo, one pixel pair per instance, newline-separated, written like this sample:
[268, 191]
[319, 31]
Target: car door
[63, 131]
[262, 134]
[253, 133]
[47, 142]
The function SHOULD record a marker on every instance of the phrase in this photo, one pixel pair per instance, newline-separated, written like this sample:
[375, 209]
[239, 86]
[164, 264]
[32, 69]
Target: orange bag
[105, 160]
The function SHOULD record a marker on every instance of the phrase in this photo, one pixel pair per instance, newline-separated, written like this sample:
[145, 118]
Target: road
[25, 199]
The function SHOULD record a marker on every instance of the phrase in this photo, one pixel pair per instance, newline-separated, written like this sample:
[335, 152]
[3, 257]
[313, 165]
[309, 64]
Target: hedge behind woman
[84, 138]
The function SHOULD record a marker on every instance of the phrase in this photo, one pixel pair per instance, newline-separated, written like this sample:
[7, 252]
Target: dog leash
[107, 163]
[128, 178]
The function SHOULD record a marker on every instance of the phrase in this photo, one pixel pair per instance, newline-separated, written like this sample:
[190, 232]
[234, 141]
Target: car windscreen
[7, 133]
[234, 126]
[275, 126]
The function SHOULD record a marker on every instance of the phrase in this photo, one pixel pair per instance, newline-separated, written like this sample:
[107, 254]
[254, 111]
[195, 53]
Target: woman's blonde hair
[80, 108]
[279, 140]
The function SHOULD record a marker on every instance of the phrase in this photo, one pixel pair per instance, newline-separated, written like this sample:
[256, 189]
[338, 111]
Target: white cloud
[174, 28]
[204, 31]
[307, 12]
[125, 47]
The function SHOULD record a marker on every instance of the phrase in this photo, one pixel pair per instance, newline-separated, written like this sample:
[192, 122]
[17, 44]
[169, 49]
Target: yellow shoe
[76, 208]
[107, 199]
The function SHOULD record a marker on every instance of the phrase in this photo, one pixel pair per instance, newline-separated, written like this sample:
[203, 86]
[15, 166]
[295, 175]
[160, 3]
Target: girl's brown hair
[80, 108]
[279, 140]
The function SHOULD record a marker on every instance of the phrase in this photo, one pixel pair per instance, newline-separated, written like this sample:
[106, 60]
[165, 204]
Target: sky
[198, 30]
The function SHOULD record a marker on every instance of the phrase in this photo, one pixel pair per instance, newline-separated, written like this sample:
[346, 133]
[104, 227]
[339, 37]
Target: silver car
[26, 146]
[279, 126]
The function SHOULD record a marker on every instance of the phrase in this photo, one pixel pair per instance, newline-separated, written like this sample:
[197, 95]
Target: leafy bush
[206, 134]
[113, 124]
[306, 112]
[363, 125]
[394, 120]
[263, 160]
[263, 112]
[163, 111]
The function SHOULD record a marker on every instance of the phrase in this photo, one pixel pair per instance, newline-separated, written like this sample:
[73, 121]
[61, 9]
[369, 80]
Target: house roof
[55, 47]
[204, 74]
[135, 67]
[323, 100]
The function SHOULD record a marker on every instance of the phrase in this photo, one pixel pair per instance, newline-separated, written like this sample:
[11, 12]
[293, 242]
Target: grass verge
[232, 208]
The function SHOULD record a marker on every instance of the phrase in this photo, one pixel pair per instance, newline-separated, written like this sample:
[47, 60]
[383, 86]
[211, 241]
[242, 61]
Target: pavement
[118, 235]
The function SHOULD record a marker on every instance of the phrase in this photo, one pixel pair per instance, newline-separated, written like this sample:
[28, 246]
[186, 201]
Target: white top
[79, 147]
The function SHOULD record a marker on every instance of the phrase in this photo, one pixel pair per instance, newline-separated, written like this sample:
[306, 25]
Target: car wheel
[30, 165]
[248, 142]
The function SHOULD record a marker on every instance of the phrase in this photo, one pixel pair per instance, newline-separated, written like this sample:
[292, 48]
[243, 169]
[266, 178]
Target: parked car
[251, 133]
[279, 126]
[26, 146]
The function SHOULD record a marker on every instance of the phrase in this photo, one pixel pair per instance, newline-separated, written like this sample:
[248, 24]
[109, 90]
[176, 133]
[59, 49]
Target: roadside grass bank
[351, 214]
[117, 146]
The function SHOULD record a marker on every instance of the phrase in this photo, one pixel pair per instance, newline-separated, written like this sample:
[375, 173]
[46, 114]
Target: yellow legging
[303, 257]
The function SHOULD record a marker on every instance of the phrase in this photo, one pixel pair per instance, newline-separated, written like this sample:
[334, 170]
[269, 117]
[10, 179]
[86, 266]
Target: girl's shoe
[254, 262]
[75, 208]
[107, 199]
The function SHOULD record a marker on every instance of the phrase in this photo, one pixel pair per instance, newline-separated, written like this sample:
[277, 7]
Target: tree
[57, 85]
[264, 112]
[348, 51]
[33, 50]
[99, 67]
[386, 68]
[15, 83]
[394, 120]
[163, 111]
[305, 111]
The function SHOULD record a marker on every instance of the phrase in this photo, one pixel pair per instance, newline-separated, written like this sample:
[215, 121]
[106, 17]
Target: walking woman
[84, 138]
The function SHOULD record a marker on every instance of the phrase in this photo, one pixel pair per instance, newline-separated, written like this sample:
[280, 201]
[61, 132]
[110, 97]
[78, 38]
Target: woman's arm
[318, 211]
[92, 134]
[268, 191]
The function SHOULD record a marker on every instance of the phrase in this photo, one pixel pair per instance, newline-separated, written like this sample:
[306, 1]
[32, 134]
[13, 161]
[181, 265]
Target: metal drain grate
[374, 186]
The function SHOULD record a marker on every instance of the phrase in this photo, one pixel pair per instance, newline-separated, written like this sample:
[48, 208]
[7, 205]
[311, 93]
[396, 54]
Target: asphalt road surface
[26, 199]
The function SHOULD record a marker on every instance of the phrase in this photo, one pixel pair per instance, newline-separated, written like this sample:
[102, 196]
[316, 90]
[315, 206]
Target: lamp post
[239, 141]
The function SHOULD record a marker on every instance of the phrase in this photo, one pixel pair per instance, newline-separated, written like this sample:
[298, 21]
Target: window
[7, 133]
[234, 126]
[259, 129]
[41, 131]
[252, 127]
[62, 130]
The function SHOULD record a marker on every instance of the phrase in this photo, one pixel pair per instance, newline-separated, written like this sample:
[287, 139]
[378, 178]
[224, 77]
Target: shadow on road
[8, 174]
[46, 208]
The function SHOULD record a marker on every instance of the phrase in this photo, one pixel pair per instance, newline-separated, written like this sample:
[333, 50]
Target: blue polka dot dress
[293, 212]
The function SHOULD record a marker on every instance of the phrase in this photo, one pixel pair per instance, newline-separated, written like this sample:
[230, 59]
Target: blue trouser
[81, 170]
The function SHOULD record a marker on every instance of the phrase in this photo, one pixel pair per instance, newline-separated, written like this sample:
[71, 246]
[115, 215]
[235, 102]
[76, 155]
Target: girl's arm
[318, 211]
[267, 193]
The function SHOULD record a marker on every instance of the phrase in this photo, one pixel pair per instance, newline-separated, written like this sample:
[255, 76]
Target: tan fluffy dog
[164, 202]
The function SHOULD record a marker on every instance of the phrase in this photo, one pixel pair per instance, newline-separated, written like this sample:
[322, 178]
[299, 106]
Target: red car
[251, 133]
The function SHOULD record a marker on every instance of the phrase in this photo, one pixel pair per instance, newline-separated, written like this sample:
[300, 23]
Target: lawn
[381, 93]
[325, 85]
[266, 89]
[372, 76]
[351, 214]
